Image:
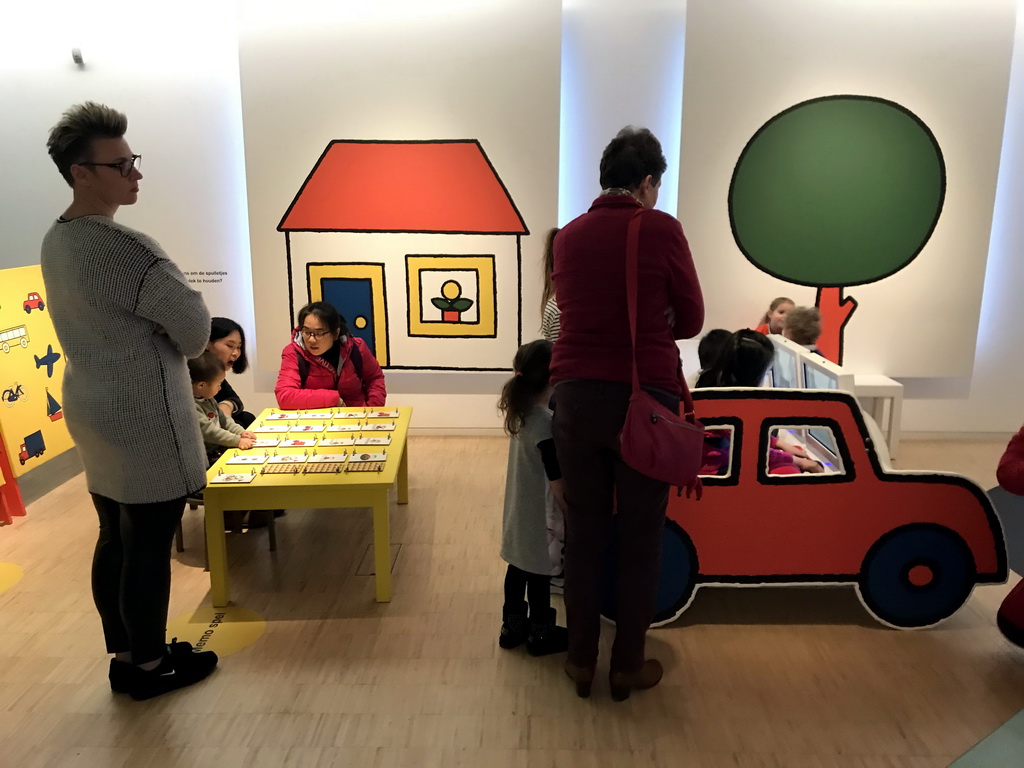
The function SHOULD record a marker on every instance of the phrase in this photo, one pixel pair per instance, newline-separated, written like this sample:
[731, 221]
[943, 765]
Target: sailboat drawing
[53, 407]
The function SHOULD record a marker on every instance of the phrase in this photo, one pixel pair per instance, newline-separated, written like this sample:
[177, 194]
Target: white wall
[991, 400]
[185, 119]
[174, 71]
[622, 64]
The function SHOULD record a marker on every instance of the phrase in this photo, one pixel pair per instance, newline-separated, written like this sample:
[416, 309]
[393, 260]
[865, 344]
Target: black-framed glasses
[125, 166]
[315, 335]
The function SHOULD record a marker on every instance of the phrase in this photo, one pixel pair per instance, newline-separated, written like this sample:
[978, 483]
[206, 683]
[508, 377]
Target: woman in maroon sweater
[614, 510]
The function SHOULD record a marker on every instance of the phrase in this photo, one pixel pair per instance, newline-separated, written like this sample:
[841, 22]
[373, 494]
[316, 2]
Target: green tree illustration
[836, 192]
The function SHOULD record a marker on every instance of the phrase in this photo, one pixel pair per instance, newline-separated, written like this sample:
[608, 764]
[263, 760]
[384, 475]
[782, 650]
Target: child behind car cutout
[742, 361]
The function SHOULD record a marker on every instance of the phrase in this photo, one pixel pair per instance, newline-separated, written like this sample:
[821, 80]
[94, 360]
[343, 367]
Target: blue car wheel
[917, 576]
[677, 581]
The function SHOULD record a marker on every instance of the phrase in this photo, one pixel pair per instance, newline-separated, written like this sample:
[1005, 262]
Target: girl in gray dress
[533, 507]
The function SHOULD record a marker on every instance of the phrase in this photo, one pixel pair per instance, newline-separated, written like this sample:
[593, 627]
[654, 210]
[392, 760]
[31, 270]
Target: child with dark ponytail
[534, 500]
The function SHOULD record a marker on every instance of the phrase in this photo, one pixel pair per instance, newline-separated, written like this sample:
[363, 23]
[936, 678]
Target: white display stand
[796, 367]
[881, 389]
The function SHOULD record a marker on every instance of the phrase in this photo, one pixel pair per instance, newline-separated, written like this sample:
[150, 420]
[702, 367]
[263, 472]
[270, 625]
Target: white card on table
[382, 440]
[248, 459]
[271, 428]
[283, 416]
[332, 441]
[265, 443]
[306, 416]
[382, 414]
[288, 458]
[298, 442]
[348, 414]
[344, 428]
[308, 428]
[384, 426]
[320, 458]
[233, 477]
[369, 457]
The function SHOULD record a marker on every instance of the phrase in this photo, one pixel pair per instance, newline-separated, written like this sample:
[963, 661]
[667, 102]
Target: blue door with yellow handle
[353, 298]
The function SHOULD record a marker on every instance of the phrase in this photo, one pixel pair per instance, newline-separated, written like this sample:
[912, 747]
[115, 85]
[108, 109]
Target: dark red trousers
[612, 510]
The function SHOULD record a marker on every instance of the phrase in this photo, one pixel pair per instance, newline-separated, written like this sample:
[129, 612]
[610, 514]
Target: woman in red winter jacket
[323, 366]
[1010, 473]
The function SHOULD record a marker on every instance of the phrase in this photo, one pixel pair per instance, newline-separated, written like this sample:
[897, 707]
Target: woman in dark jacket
[227, 341]
[613, 510]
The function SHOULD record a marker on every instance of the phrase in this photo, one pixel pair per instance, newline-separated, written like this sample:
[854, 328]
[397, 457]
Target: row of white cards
[303, 415]
[307, 442]
[386, 426]
[298, 458]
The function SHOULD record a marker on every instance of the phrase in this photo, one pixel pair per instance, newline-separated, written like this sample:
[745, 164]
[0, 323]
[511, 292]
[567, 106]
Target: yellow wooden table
[304, 488]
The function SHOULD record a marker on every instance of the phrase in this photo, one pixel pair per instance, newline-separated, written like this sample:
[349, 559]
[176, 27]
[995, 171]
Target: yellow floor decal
[224, 630]
[10, 574]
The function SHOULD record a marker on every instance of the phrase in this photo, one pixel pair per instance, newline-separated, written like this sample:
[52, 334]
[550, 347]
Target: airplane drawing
[49, 359]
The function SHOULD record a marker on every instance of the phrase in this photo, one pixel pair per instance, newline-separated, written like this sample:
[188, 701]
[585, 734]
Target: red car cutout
[913, 543]
[34, 301]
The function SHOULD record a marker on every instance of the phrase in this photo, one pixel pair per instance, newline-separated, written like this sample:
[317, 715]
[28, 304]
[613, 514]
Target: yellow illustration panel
[31, 372]
[452, 296]
[359, 293]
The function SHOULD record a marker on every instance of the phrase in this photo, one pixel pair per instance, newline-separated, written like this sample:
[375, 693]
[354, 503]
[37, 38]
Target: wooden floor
[770, 677]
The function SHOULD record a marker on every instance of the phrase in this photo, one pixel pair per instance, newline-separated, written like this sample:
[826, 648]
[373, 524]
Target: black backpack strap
[357, 362]
[357, 359]
[303, 368]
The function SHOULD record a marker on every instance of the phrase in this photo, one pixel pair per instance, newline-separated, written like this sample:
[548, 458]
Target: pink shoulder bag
[654, 440]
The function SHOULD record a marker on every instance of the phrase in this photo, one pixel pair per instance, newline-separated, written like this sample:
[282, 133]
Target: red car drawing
[34, 301]
[913, 543]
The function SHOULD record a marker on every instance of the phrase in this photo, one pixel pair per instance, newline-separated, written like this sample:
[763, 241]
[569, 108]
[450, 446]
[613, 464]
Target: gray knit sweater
[127, 395]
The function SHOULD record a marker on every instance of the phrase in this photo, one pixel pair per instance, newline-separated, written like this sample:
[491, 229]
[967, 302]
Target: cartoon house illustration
[430, 217]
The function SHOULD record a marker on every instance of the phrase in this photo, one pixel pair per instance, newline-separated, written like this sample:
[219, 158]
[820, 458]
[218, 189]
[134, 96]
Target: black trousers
[535, 586]
[131, 574]
[611, 510]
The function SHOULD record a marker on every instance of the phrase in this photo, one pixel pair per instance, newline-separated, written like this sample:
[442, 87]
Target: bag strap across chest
[632, 290]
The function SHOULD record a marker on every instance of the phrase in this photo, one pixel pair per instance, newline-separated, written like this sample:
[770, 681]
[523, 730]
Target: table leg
[895, 421]
[403, 476]
[382, 547]
[217, 553]
[878, 411]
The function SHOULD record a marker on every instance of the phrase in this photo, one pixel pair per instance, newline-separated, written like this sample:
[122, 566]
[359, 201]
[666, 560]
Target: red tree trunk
[835, 314]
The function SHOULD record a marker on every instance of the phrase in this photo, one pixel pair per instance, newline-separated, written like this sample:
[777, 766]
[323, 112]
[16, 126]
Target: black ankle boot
[545, 637]
[514, 627]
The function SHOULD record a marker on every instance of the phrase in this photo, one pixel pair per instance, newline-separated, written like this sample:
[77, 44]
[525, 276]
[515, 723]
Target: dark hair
[326, 314]
[549, 266]
[70, 140]
[206, 367]
[742, 362]
[531, 365]
[223, 326]
[711, 345]
[631, 156]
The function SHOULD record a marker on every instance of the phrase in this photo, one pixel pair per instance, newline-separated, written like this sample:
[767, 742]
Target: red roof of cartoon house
[404, 186]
